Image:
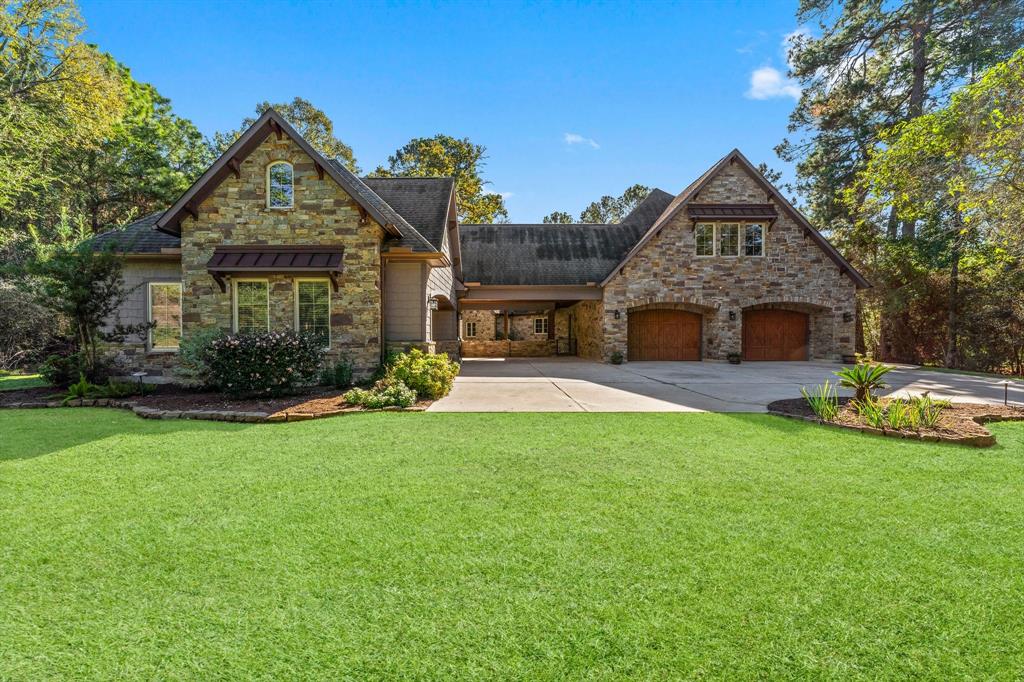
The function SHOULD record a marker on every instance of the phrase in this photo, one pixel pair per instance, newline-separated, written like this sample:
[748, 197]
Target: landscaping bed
[961, 423]
[168, 401]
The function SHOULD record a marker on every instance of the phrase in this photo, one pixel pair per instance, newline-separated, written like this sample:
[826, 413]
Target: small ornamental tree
[84, 286]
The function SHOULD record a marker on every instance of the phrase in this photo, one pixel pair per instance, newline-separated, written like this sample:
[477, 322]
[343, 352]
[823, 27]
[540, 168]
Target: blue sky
[572, 101]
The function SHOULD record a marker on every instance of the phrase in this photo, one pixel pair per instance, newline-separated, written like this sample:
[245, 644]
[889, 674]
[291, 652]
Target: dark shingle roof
[554, 254]
[564, 254]
[138, 237]
[423, 202]
[648, 210]
[543, 254]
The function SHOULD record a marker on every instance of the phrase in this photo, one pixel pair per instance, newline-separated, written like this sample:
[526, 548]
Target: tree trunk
[952, 326]
[919, 35]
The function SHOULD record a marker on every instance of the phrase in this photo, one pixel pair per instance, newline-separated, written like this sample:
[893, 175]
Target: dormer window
[280, 185]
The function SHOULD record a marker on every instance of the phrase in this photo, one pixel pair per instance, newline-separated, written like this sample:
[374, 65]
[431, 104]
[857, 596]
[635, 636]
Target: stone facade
[236, 213]
[794, 273]
[486, 324]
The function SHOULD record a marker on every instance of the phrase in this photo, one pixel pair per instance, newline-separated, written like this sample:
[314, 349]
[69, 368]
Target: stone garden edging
[203, 415]
[979, 441]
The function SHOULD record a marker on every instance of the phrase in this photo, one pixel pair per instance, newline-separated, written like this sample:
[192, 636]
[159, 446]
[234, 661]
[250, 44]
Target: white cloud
[768, 82]
[576, 138]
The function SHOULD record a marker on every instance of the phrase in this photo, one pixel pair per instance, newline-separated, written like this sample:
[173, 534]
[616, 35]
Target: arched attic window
[280, 185]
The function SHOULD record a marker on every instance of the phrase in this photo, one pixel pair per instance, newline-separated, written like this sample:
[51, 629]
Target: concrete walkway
[576, 385]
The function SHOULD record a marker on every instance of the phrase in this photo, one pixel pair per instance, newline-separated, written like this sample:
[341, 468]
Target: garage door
[664, 335]
[774, 335]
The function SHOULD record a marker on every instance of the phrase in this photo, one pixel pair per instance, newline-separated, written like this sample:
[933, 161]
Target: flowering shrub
[388, 392]
[269, 362]
[431, 376]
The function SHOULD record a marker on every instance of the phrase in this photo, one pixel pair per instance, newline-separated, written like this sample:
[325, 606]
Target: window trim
[149, 316]
[291, 202]
[764, 237]
[470, 329]
[714, 240]
[545, 324]
[234, 300]
[295, 296]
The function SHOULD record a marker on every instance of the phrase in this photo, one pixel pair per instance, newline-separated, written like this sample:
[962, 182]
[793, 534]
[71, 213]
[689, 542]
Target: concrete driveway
[576, 385]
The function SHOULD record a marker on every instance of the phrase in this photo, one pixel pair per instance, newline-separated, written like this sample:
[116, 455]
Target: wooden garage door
[664, 335]
[774, 335]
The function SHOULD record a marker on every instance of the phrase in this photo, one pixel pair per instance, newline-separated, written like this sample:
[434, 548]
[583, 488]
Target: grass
[10, 381]
[504, 546]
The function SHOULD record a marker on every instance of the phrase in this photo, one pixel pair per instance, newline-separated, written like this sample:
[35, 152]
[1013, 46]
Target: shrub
[617, 358]
[268, 362]
[27, 329]
[863, 379]
[388, 392]
[823, 402]
[192, 369]
[339, 374]
[431, 376]
[64, 369]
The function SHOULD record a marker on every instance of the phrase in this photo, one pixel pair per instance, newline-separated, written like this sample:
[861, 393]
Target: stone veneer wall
[236, 213]
[485, 324]
[587, 318]
[794, 273]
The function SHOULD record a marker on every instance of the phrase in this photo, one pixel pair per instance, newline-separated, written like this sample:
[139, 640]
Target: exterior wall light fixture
[732, 315]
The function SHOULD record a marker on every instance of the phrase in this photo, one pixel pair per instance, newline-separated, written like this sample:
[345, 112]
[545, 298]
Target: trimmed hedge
[268, 362]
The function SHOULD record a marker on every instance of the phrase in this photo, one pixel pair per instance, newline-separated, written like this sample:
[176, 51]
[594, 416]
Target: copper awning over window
[698, 212]
[294, 260]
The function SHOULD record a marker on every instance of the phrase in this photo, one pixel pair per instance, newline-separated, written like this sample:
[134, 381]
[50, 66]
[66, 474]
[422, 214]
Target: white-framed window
[163, 310]
[251, 305]
[753, 239]
[728, 239]
[540, 325]
[470, 330]
[313, 308]
[280, 185]
[704, 234]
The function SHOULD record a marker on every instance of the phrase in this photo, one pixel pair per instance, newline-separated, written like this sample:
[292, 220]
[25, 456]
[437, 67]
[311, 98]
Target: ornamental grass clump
[264, 363]
[824, 401]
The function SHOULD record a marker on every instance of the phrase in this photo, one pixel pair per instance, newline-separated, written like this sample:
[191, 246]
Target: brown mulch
[961, 422]
[315, 401]
[28, 395]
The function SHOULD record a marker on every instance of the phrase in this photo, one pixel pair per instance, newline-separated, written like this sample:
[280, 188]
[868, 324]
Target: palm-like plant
[863, 379]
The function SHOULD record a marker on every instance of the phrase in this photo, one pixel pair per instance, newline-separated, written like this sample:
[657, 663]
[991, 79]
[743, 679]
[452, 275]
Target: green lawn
[10, 382]
[504, 546]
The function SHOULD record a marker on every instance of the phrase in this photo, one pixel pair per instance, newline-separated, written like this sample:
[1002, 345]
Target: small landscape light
[1006, 392]
[139, 375]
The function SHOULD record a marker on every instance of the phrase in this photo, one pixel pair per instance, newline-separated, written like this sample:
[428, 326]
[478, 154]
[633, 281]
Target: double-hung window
[705, 236]
[164, 314]
[252, 306]
[540, 325]
[728, 239]
[313, 308]
[470, 329]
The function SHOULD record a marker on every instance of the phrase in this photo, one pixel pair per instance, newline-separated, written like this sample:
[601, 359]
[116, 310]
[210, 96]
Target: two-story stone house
[275, 236]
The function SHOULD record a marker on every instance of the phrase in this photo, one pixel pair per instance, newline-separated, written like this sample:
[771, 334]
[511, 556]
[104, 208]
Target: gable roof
[272, 122]
[423, 202]
[138, 237]
[692, 190]
[553, 254]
